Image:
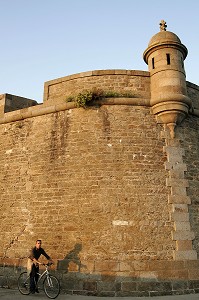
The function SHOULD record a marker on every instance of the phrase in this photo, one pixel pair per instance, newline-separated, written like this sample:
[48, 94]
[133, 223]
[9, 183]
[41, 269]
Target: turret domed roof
[164, 37]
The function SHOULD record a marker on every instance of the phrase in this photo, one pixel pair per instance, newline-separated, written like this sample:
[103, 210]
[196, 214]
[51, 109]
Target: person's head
[38, 244]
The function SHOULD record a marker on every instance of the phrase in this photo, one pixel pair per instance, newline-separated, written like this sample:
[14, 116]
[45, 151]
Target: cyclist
[35, 253]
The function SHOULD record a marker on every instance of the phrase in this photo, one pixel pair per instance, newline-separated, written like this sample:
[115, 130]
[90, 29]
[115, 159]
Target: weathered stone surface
[56, 159]
[136, 82]
[185, 255]
[184, 245]
[111, 190]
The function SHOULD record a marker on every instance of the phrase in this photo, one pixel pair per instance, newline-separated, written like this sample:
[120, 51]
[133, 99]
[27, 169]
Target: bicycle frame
[44, 274]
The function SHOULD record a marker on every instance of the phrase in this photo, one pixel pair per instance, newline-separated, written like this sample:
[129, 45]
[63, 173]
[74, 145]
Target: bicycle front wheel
[24, 283]
[51, 286]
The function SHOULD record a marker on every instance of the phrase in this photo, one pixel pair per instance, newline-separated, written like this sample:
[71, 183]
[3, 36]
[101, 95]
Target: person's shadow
[71, 261]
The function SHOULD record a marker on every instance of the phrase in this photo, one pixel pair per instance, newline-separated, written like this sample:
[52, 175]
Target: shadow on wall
[170, 277]
[71, 261]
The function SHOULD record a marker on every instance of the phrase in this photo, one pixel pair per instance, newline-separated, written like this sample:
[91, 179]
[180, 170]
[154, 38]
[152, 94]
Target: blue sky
[47, 39]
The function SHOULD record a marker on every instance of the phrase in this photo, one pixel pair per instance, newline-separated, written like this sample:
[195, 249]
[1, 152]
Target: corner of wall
[178, 199]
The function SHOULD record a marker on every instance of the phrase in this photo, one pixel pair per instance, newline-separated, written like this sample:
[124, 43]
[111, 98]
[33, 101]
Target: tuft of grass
[85, 97]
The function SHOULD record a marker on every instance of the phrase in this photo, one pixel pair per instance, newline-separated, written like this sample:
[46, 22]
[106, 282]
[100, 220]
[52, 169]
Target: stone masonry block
[185, 255]
[175, 182]
[106, 285]
[175, 166]
[184, 245]
[174, 153]
[192, 264]
[154, 286]
[182, 235]
[173, 274]
[161, 265]
[178, 190]
[182, 226]
[106, 266]
[179, 199]
[193, 274]
[128, 286]
[180, 216]
[90, 285]
[149, 276]
[179, 207]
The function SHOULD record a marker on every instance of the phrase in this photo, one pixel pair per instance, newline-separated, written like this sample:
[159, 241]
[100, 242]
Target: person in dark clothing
[35, 253]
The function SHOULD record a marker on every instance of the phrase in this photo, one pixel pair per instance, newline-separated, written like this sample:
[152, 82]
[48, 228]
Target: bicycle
[51, 284]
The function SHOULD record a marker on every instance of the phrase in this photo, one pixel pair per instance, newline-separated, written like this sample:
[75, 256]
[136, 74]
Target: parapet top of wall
[117, 80]
[99, 73]
[10, 103]
[193, 93]
[56, 92]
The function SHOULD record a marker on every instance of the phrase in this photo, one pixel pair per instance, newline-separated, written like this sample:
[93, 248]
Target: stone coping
[81, 75]
[192, 85]
[107, 72]
[43, 109]
[99, 73]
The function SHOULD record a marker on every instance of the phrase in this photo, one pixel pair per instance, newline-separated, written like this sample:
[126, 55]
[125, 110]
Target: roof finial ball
[163, 26]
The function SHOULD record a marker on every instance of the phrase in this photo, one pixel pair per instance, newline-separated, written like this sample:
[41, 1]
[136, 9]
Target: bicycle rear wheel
[24, 283]
[51, 286]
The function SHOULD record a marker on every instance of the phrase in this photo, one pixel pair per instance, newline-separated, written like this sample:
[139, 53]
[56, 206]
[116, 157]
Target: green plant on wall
[83, 98]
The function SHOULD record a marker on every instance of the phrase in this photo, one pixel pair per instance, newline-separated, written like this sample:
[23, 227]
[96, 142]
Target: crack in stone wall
[14, 240]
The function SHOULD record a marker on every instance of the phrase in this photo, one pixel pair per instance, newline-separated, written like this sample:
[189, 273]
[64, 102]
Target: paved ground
[6, 294]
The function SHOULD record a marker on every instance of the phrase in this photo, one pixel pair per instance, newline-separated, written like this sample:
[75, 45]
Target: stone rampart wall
[82, 180]
[136, 82]
[95, 185]
[74, 177]
[146, 278]
[10, 103]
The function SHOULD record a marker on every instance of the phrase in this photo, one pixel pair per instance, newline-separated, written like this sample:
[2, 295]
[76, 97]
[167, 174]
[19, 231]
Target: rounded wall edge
[79, 76]
[193, 94]
[99, 73]
[192, 85]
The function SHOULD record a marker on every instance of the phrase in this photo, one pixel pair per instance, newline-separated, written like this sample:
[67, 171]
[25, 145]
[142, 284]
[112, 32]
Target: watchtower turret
[165, 57]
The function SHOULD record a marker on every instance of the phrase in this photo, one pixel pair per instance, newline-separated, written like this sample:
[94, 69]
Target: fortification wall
[11, 102]
[97, 186]
[73, 177]
[136, 82]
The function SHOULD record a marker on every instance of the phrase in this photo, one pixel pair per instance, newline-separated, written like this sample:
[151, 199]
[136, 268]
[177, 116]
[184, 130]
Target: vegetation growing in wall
[86, 97]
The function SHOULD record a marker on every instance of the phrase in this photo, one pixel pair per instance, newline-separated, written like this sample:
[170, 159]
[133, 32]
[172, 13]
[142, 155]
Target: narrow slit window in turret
[182, 62]
[168, 59]
[153, 64]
